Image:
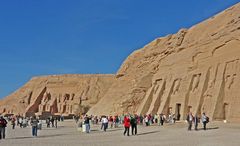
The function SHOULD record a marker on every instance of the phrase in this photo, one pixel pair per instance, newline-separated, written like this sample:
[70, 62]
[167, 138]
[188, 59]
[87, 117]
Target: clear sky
[44, 37]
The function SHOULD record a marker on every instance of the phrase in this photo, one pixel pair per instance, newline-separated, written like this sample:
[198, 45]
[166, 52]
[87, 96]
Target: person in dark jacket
[13, 120]
[87, 123]
[52, 121]
[55, 121]
[126, 125]
[162, 119]
[3, 125]
[133, 123]
[196, 121]
[34, 123]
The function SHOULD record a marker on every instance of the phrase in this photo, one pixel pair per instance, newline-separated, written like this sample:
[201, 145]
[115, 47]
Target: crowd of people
[115, 121]
[23, 122]
[132, 120]
[196, 120]
[52, 121]
[128, 121]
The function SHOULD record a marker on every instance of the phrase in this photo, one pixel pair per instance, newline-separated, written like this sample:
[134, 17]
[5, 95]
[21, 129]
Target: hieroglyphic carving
[231, 72]
[176, 85]
[196, 80]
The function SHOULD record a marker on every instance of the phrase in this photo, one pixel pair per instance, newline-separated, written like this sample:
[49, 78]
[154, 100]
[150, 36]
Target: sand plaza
[217, 134]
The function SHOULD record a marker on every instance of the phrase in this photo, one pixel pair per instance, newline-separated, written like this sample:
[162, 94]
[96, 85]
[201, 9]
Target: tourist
[3, 125]
[173, 118]
[133, 123]
[101, 120]
[76, 118]
[115, 121]
[157, 118]
[24, 122]
[55, 121]
[52, 121]
[13, 122]
[39, 124]
[162, 118]
[48, 122]
[110, 121]
[87, 123]
[21, 122]
[62, 118]
[196, 121]
[146, 120]
[27, 120]
[141, 119]
[96, 120]
[34, 123]
[150, 119]
[126, 125]
[205, 120]
[17, 120]
[189, 120]
[122, 119]
[104, 123]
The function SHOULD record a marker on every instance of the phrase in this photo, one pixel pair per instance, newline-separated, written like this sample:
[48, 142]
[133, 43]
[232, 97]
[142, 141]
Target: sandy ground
[218, 134]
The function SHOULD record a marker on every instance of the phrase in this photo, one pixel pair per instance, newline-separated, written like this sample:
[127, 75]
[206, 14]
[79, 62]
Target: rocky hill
[196, 69]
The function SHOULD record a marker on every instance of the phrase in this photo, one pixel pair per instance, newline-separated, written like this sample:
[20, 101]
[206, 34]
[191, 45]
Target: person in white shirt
[105, 123]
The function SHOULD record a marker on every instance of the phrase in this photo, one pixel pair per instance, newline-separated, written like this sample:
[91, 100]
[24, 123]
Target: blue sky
[45, 37]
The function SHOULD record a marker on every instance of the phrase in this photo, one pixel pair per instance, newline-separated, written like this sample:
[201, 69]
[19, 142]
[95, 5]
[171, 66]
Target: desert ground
[218, 134]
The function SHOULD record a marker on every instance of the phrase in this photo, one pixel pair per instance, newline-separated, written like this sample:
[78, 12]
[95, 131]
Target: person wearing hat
[3, 125]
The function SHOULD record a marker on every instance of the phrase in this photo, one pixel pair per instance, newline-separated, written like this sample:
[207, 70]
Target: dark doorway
[177, 112]
[225, 114]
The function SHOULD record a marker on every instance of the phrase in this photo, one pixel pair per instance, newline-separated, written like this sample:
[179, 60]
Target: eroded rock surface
[196, 69]
[57, 94]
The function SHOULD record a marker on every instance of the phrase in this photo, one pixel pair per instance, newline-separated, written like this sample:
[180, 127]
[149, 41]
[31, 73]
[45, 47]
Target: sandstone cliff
[57, 94]
[196, 69]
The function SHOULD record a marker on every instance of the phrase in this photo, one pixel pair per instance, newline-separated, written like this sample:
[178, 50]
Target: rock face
[197, 69]
[59, 94]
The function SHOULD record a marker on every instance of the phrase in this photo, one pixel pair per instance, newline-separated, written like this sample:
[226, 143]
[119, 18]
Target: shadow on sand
[108, 130]
[210, 128]
[41, 136]
[151, 132]
[53, 128]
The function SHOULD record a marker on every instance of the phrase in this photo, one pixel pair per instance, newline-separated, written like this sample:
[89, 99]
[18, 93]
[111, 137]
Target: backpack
[207, 119]
[3, 122]
[133, 121]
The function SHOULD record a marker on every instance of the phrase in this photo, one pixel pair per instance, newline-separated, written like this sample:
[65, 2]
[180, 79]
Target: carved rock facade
[197, 70]
[58, 94]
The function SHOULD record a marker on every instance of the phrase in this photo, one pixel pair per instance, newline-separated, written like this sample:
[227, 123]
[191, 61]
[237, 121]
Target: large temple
[195, 70]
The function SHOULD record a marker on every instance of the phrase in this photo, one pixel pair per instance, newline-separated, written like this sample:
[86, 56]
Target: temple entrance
[177, 111]
[225, 112]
